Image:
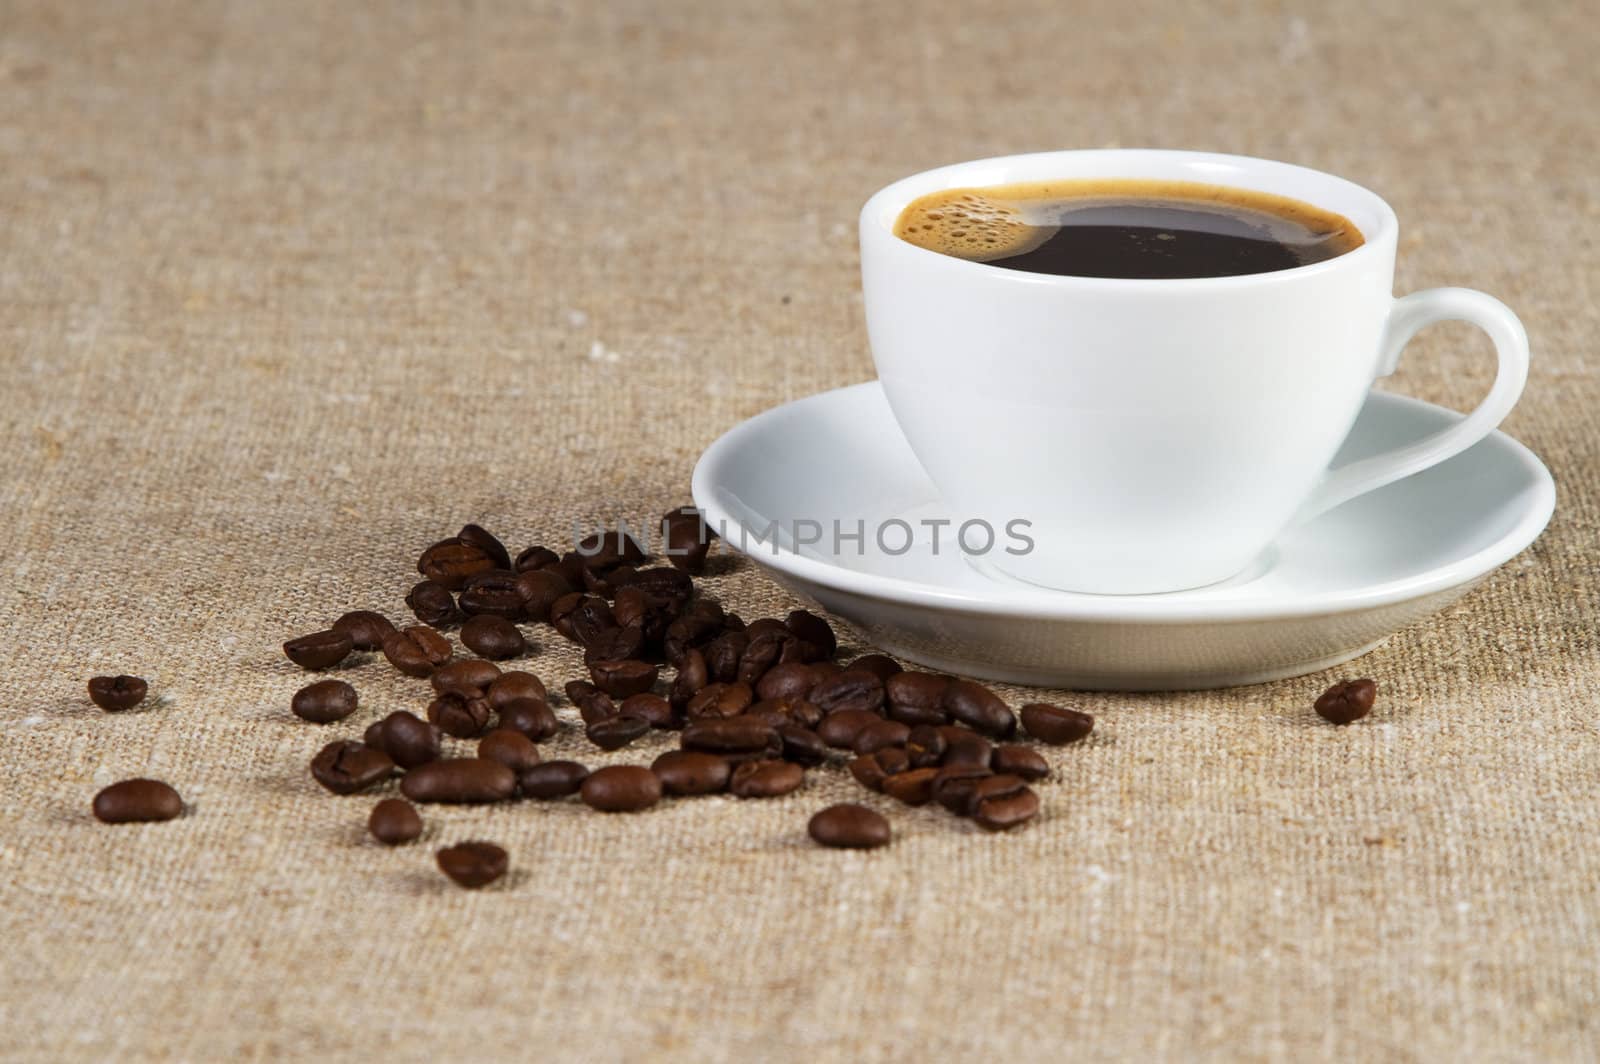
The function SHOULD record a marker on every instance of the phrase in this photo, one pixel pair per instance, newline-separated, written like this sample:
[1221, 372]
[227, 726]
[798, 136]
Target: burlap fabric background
[288, 290]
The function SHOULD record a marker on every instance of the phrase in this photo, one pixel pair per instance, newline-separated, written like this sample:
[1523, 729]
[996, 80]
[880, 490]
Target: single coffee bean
[1023, 762]
[870, 770]
[853, 689]
[840, 728]
[601, 550]
[663, 583]
[649, 707]
[913, 786]
[468, 674]
[764, 650]
[1347, 701]
[607, 581]
[473, 864]
[765, 779]
[319, 650]
[345, 766]
[511, 748]
[689, 772]
[848, 826]
[762, 625]
[979, 708]
[476, 536]
[776, 711]
[700, 622]
[514, 686]
[918, 691]
[117, 693]
[692, 676]
[591, 616]
[792, 679]
[417, 650]
[531, 717]
[802, 745]
[723, 654]
[571, 567]
[686, 539]
[450, 562]
[1053, 724]
[925, 746]
[493, 593]
[879, 734]
[324, 702]
[633, 608]
[561, 614]
[733, 735]
[137, 801]
[552, 779]
[593, 704]
[880, 665]
[463, 714]
[815, 633]
[540, 589]
[619, 679]
[1000, 803]
[407, 739]
[719, 700]
[394, 821]
[535, 558]
[615, 644]
[953, 786]
[432, 604]
[621, 789]
[615, 732]
[460, 780]
[367, 630]
[965, 747]
[492, 637]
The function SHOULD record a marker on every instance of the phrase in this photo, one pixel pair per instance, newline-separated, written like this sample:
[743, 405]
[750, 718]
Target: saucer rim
[1169, 607]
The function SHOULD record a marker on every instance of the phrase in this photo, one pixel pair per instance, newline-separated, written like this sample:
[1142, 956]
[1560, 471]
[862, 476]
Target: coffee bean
[475, 536]
[664, 584]
[535, 558]
[916, 716]
[511, 748]
[870, 770]
[917, 694]
[345, 766]
[764, 650]
[814, 632]
[719, 700]
[324, 702]
[1053, 724]
[763, 625]
[407, 739]
[787, 711]
[880, 665]
[913, 786]
[619, 679]
[848, 826]
[853, 689]
[463, 714]
[460, 780]
[925, 746]
[602, 550]
[540, 590]
[394, 821]
[1021, 761]
[319, 650]
[450, 562]
[964, 747]
[587, 619]
[765, 779]
[979, 708]
[700, 622]
[953, 786]
[492, 637]
[686, 539]
[802, 745]
[621, 789]
[473, 864]
[432, 604]
[493, 593]
[137, 801]
[689, 772]
[417, 651]
[792, 679]
[615, 732]
[633, 608]
[734, 735]
[1000, 803]
[561, 614]
[117, 693]
[531, 717]
[515, 686]
[879, 734]
[552, 779]
[606, 581]
[367, 630]
[840, 728]
[692, 676]
[1347, 701]
[614, 644]
[723, 654]
[468, 674]
[650, 707]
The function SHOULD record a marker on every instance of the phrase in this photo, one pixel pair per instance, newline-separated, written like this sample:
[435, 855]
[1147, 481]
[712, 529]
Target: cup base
[1083, 584]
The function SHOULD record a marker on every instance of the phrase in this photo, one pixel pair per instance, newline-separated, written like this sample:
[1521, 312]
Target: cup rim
[876, 220]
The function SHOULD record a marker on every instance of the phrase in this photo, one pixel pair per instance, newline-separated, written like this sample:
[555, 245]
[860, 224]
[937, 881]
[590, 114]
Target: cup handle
[1409, 315]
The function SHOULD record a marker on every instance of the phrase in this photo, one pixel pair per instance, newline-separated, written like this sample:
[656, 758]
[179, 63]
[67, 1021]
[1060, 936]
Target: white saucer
[1327, 591]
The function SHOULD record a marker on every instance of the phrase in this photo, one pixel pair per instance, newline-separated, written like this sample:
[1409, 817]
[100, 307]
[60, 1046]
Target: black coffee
[1126, 227]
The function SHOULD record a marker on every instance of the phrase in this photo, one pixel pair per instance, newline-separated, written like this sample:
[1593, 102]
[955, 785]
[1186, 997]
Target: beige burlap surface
[288, 290]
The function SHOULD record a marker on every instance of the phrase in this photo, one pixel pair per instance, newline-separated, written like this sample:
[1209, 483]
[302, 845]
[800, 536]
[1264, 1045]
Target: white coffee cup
[1156, 434]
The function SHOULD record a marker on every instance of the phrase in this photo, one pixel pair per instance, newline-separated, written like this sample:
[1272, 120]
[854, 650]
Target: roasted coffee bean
[916, 716]
[137, 801]
[468, 674]
[953, 786]
[511, 748]
[1000, 803]
[615, 732]
[593, 704]
[463, 714]
[840, 728]
[918, 691]
[700, 622]
[417, 651]
[589, 618]
[432, 604]
[764, 650]
[540, 590]
[925, 746]
[686, 538]
[394, 821]
[561, 614]
[719, 700]
[979, 708]
[117, 693]
[1054, 724]
[367, 630]
[662, 583]
[633, 609]
[881, 733]
[814, 632]
[460, 780]
[535, 558]
[614, 644]
[913, 786]
[619, 679]
[407, 738]
[689, 772]
[602, 550]
[493, 593]
[571, 567]
[1023, 762]
[848, 826]
[476, 536]
[826, 670]
[853, 689]
[450, 562]
[319, 650]
[532, 717]
[492, 637]
[608, 581]
[621, 789]
[802, 745]
[473, 864]
[788, 711]
[345, 766]
[1347, 701]
[692, 676]
[965, 747]
[880, 665]
[650, 707]
[552, 779]
[765, 779]
[870, 770]
[723, 654]
[792, 679]
[771, 711]
[324, 702]
[735, 735]
[514, 686]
